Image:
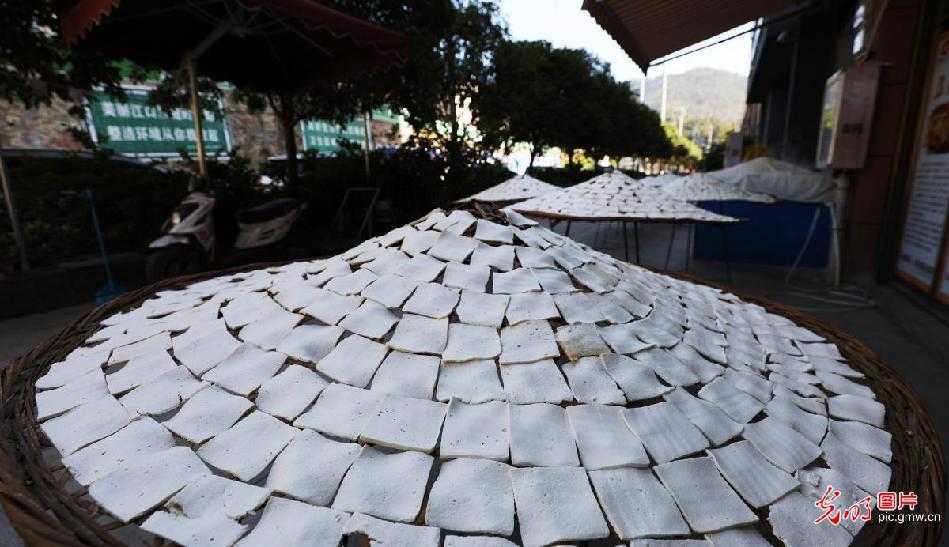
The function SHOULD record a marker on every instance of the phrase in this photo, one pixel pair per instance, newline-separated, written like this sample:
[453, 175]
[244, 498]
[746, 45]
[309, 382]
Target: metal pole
[625, 241]
[567, 231]
[636, 235]
[11, 211]
[196, 115]
[669, 250]
[99, 240]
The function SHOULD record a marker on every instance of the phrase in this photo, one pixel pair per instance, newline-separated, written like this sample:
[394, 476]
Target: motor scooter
[188, 243]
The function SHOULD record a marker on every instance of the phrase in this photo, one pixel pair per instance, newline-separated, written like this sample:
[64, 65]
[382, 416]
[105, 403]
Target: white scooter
[188, 243]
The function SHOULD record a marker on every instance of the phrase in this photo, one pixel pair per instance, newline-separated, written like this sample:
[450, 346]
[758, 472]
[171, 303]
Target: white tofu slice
[531, 306]
[84, 389]
[814, 483]
[477, 308]
[594, 278]
[341, 411]
[156, 343]
[208, 531]
[810, 404]
[288, 522]
[310, 343]
[711, 420]
[209, 412]
[528, 342]
[211, 494]
[311, 467]
[485, 230]
[471, 382]
[164, 393]
[330, 307]
[432, 300]
[388, 486]
[856, 408]
[590, 383]
[248, 447]
[247, 307]
[353, 361]
[371, 320]
[781, 445]
[603, 437]
[540, 436]
[202, 353]
[538, 382]
[553, 281]
[452, 248]
[636, 504]
[835, 383]
[812, 426]
[556, 504]
[477, 541]
[534, 258]
[622, 338]
[579, 307]
[752, 384]
[421, 268]
[706, 500]
[405, 423]
[382, 533]
[472, 495]
[138, 371]
[665, 432]
[500, 258]
[351, 284]
[792, 522]
[79, 362]
[420, 334]
[419, 242]
[736, 403]
[336, 267]
[85, 424]
[513, 282]
[581, 340]
[825, 350]
[466, 277]
[245, 369]
[268, 331]
[475, 430]
[864, 438]
[746, 536]
[136, 440]
[287, 394]
[140, 485]
[708, 343]
[471, 342]
[629, 303]
[868, 473]
[297, 294]
[758, 481]
[406, 374]
[667, 366]
[637, 380]
[390, 290]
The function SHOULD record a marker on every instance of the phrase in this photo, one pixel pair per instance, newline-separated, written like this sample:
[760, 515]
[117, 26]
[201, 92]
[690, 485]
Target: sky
[564, 24]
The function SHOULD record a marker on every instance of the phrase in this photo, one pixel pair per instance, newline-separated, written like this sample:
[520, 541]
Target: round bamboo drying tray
[44, 511]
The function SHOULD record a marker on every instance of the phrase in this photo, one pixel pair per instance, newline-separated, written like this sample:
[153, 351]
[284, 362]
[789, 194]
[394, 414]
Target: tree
[36, 65]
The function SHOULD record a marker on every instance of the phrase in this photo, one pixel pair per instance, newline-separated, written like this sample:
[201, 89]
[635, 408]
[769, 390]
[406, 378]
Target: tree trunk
[533, 155]
[570, 158]
[288, 121]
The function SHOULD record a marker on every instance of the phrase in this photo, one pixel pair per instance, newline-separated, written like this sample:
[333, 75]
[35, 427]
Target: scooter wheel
[171, 261]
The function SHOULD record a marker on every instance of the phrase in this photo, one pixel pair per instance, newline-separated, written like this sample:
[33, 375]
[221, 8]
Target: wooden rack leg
[636, 236]
[672, 239]
[626, 241]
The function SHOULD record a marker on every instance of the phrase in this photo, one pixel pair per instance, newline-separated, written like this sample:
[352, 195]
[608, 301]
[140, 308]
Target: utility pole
[665, 85]
[711, 135]
[642, 89]
[681, 119]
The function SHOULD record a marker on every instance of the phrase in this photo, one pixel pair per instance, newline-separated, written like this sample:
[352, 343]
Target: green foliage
[133, 201]
[683, 147]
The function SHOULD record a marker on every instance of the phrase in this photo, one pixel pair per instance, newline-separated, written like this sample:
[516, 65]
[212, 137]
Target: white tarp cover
[780, 179]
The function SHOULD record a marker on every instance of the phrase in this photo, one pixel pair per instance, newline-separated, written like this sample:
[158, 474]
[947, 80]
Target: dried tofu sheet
[466, 382]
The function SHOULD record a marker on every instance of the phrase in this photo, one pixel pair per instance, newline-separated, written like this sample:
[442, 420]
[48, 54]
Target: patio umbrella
[269, 45]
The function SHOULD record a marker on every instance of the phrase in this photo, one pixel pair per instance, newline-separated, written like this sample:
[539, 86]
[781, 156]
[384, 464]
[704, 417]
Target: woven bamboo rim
[44, 512]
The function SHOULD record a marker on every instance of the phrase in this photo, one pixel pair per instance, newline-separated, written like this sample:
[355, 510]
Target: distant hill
[703, 92]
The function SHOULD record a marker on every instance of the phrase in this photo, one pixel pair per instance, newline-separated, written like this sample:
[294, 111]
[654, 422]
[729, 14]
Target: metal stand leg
[672, 239]
[625, 241]
[567, 231]
[728, 263]
[596, 234]
[636, 236]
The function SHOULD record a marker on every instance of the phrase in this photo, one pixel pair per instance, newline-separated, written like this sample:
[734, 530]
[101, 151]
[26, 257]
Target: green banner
[324, 137]
[135, 128]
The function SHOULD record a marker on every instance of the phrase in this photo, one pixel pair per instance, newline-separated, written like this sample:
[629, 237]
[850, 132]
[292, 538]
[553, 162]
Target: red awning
[650, 29]
[270, 44]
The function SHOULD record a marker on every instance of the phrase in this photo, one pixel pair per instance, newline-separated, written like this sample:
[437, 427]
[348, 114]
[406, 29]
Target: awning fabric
[648, 30]
[274, 44]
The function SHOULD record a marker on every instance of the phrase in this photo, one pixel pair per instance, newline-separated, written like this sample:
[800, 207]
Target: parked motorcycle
[188, 243]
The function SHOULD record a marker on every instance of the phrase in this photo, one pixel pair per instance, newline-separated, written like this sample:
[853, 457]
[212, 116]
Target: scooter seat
[268, 211]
